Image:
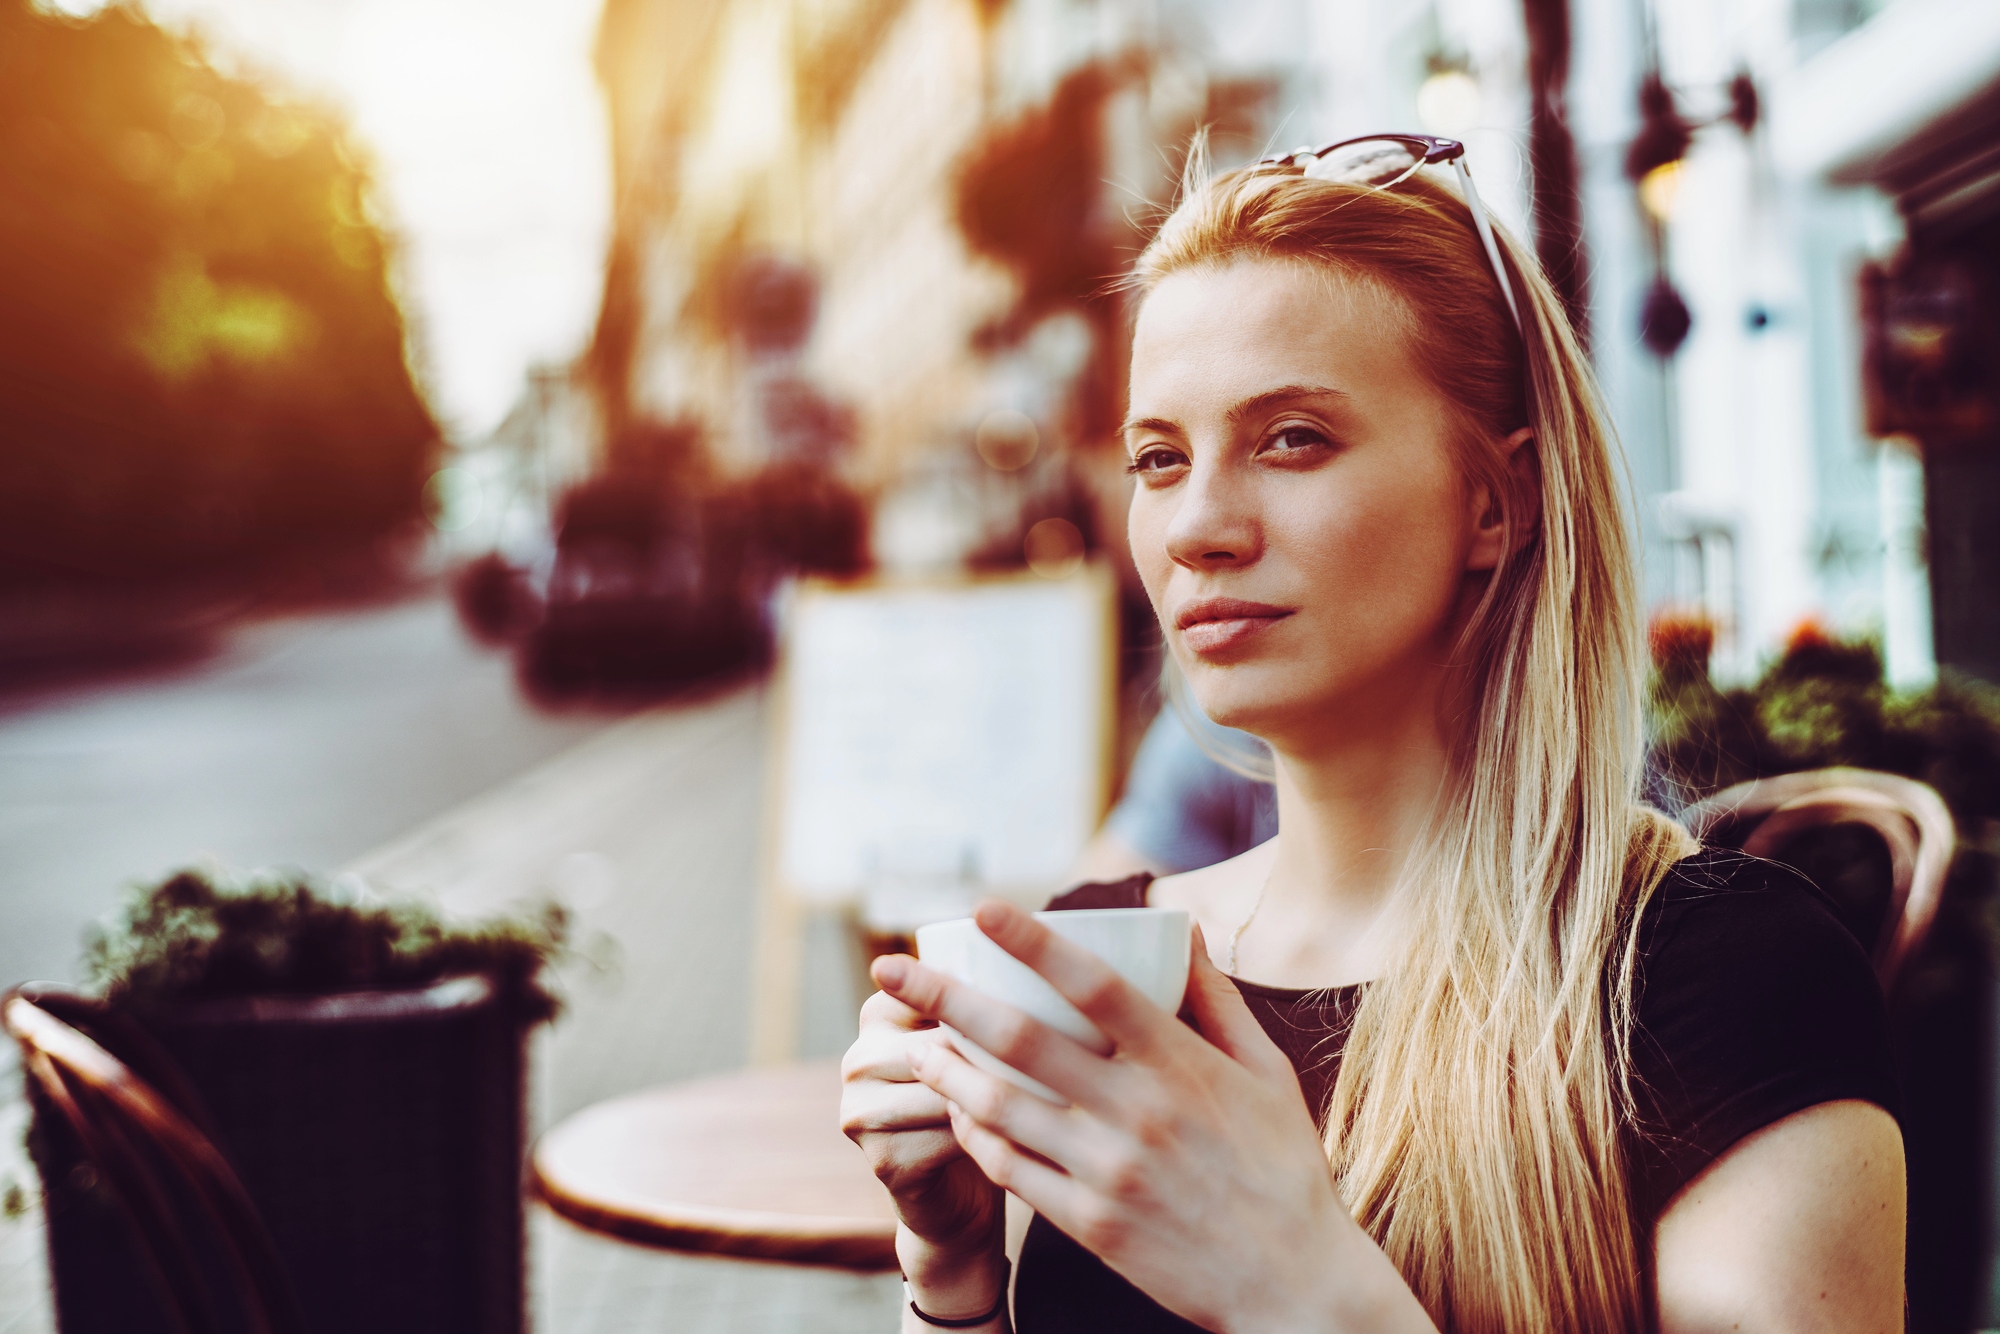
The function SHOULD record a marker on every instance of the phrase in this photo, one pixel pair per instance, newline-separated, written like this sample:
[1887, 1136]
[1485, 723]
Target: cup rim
[1068, 915]
[1093, 914]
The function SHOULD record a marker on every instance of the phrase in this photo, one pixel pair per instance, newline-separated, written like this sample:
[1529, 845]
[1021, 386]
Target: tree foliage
[1822, 703]
[200, 358]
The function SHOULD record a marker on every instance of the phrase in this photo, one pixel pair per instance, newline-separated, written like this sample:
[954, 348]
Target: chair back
[1764, 815]
[129, 1132]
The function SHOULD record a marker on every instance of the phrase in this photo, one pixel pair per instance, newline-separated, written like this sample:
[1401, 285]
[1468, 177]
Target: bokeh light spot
[1007, 440]
[355, 246]
[203, 171]
[196, 121]
[453, 499]
[194, 320]
[1449, 103]
[279, 133]
[140, 156]
[1660, 188]
[1054, 548]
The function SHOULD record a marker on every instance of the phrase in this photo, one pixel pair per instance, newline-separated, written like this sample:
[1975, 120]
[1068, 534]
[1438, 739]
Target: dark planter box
[379, 1133]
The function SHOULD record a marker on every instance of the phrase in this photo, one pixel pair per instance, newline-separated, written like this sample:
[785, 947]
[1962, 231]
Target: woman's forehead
[1234, 330]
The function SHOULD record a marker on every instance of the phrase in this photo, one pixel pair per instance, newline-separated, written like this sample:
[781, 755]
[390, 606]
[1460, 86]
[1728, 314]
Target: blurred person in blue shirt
[1183, 807]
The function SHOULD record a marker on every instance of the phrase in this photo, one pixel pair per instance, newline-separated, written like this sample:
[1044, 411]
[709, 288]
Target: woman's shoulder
[1719, 907]
[1753, 1002]
[1724, 929]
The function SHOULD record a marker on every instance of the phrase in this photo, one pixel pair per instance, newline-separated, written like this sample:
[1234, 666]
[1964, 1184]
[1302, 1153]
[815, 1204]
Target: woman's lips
[1226, 623]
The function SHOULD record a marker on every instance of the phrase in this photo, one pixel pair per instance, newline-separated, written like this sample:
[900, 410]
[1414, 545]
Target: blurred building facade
[1905, 111]
[1767, 493]
[855, 230]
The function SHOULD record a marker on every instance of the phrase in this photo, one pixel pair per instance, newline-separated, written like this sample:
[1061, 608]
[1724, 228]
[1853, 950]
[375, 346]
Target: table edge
[840, 1242]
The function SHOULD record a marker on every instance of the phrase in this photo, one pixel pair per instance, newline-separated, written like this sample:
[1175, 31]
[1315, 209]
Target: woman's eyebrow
[1259, 404]
[1254, 406]
[1159, 424]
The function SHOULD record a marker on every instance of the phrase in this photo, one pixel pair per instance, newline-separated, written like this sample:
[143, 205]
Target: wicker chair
[129, 1133]
[378, 1133]
[1763, 817]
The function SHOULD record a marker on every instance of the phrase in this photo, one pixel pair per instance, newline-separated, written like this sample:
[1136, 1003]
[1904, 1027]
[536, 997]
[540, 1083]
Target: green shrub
[1822, 702]
[199, 936]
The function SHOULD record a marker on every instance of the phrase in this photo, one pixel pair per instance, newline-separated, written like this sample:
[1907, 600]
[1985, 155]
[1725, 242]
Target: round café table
[751, 1163]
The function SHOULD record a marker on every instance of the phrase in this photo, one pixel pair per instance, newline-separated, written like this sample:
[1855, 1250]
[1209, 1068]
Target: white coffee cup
[1148, 947]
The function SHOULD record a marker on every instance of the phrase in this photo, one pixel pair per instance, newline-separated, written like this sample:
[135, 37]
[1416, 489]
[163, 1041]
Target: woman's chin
[1232, 701]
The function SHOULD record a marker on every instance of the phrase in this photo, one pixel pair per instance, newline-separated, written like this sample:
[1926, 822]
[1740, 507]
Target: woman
[1477, 1043]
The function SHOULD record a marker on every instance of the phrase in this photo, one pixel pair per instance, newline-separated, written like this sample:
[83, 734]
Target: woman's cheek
[1145, 535]
[1382, 578]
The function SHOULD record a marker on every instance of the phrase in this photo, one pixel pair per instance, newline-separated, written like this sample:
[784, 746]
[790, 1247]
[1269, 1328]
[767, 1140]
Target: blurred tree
[1030, 194]
[200, 360]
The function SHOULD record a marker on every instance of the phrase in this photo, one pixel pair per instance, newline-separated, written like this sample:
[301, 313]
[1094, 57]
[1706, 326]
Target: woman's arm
[1799, 1227]
[1187, 1161]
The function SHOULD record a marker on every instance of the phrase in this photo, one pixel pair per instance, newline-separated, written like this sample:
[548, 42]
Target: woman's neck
[1350, 810]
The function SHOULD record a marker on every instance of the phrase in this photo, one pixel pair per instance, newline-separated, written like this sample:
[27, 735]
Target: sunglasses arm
[1485, 229]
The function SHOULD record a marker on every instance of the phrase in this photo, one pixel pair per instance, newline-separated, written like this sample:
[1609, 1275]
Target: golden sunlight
[484, 130]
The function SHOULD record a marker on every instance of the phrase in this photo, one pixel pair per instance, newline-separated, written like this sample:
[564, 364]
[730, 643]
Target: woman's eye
[1291, 439]
[1155, 460]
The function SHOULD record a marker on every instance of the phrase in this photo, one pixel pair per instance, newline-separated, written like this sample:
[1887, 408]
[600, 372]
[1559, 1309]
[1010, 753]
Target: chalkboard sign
[969, 719]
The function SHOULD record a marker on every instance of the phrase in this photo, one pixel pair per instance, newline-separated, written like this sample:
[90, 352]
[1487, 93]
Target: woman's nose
[1216, 524]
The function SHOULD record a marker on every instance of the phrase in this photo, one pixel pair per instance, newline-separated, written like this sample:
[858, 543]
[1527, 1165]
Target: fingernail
[992, 914]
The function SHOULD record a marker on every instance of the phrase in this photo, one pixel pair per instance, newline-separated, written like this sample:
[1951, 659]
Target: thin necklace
[1244, 925]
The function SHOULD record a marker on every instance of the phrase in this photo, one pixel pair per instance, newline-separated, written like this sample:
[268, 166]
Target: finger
[884, 1053]
[1017, 1039]
[877, 1108]
[884, 1009]
[1058, 1134]
[1223, 1017]
[1134, 1024]
[1045, 1189]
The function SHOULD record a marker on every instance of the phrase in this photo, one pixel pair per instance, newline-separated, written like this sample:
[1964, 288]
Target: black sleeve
[1127, 893]
[1753, 1003]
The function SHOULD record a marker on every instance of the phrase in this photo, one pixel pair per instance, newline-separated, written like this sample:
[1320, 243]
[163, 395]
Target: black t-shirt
[1753, 1003]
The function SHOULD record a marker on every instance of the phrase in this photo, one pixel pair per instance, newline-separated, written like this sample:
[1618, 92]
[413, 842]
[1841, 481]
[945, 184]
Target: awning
[1908, 102]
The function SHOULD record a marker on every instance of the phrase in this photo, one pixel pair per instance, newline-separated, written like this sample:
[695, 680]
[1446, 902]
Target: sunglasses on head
[1382, 161]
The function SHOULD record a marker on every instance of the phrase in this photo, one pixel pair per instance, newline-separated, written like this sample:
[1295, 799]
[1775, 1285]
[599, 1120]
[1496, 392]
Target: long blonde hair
[1475, 1127]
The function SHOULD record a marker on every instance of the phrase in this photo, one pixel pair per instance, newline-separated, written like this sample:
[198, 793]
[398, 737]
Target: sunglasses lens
[1377, 162]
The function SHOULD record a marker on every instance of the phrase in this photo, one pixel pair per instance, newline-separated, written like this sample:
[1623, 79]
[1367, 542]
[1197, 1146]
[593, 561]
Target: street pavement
[305, 741]
[650, 832]
[380, 744]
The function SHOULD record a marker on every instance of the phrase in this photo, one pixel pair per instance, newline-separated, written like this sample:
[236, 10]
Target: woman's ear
[1491, 535]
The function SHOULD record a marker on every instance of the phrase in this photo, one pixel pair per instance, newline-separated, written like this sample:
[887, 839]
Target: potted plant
[360, 1064]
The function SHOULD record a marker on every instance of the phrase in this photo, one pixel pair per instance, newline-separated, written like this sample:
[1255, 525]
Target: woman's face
[1299, 520]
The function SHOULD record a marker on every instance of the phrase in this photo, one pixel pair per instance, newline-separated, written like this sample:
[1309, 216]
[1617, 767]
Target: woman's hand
[1190, 1166]
[953, 1218]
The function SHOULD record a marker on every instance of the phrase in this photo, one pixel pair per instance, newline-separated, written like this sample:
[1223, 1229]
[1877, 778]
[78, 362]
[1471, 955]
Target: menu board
[967, 721]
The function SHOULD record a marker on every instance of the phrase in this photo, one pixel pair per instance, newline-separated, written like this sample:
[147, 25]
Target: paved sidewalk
[651, 832]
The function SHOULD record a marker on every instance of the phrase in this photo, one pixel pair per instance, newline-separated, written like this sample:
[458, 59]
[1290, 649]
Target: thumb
[1221, 1015]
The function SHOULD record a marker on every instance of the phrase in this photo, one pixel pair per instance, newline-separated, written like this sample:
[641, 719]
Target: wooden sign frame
[784, 899]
